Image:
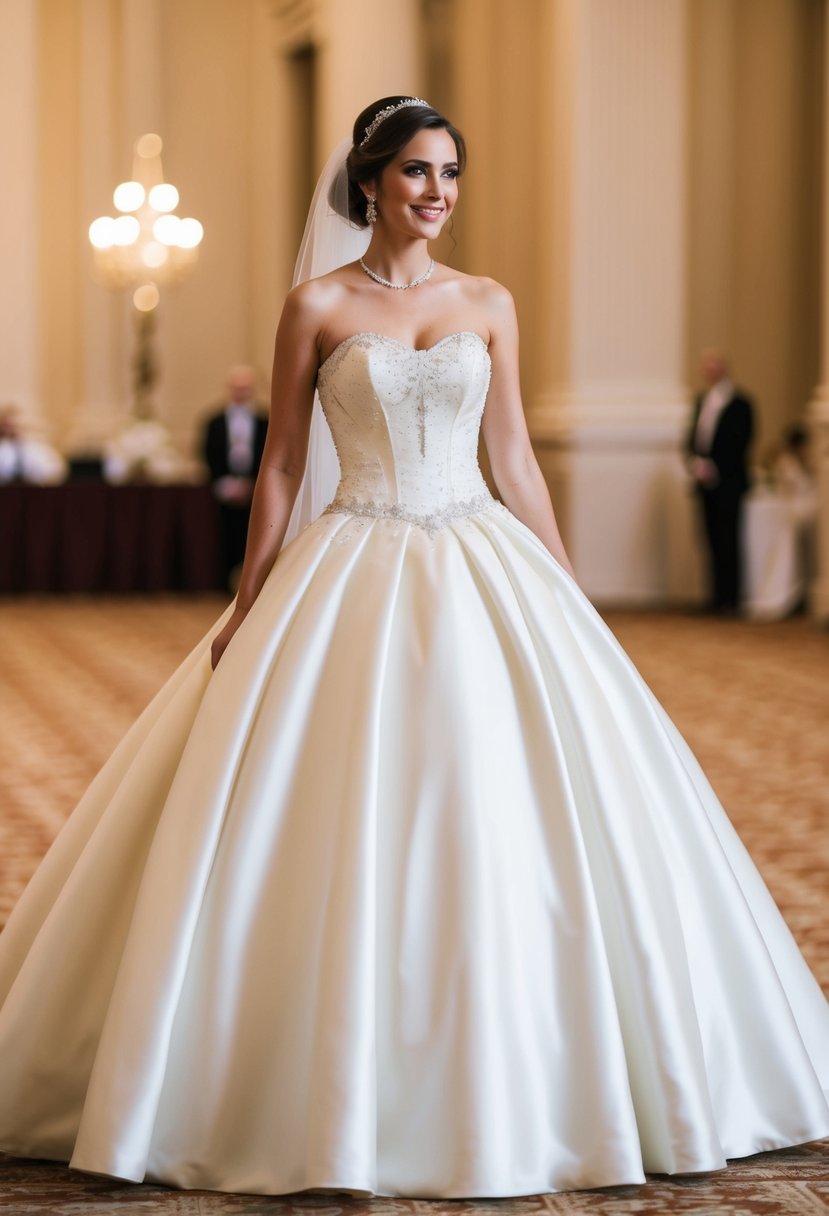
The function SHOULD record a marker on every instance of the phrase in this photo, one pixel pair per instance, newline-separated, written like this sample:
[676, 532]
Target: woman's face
[417, 191]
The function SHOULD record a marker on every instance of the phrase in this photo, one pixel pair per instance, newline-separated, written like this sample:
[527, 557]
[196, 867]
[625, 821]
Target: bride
[404, 884]
[402, 182]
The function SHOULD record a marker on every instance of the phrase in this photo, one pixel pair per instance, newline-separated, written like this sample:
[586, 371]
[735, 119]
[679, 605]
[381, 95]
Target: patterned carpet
[750, 699]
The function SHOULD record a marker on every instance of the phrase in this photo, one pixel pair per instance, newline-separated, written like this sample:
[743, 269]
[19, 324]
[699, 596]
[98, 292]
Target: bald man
[234, 439]
[717, 449]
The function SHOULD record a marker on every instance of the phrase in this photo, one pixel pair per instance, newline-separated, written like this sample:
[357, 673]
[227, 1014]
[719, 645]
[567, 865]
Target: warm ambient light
[149, 146]
[145, 248]
[101, 232]
[128, 196]
[147, 242]
[190, 233]
[154, 255]
[165, 229]
[125, 230]
[163, 197]
[146, 297]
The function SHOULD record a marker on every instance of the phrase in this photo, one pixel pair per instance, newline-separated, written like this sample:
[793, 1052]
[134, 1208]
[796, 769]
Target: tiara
[382, 115]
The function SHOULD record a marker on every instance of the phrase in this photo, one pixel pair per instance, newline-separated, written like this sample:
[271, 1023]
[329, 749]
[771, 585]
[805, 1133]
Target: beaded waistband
[431, 521]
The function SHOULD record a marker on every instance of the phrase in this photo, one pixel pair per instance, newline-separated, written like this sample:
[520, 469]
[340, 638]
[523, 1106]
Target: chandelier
[147, 246]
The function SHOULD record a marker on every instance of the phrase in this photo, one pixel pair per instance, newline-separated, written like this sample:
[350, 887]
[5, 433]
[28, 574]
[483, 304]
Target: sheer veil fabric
[329, 241]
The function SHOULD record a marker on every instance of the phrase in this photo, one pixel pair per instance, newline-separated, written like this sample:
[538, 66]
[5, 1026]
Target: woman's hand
[222, 640]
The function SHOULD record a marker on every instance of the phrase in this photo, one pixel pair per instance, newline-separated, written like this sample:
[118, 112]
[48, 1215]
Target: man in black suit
[234, 439]
[716, 453]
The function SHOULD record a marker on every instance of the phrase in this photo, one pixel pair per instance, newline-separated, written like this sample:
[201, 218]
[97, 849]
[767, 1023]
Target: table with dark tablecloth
[87, 536]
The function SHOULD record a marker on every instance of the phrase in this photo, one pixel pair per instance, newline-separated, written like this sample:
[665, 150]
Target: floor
[751, 699]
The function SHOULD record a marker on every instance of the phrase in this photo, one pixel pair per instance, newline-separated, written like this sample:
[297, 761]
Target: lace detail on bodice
[405, 424]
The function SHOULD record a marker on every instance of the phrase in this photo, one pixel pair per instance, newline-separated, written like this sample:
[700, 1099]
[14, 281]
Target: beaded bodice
[405, 424]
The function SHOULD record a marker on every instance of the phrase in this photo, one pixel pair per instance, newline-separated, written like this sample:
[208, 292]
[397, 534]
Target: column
[611, 414]
[819, 405]
[18, 214]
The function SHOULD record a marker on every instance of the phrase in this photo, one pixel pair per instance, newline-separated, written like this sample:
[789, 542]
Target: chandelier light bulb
[126, 230]
[154, 255]
[163, 197]
[165, 229]
[149, 146]
[128, 196]
[102, 232]
[190, 233]
[146, 297]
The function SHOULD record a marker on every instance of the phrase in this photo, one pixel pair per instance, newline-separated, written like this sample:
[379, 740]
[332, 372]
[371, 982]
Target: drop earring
[371, 209]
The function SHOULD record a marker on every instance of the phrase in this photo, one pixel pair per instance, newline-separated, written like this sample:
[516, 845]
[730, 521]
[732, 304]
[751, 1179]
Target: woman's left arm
[519, 480]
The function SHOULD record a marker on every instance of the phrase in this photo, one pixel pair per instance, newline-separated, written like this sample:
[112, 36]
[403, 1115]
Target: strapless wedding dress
[421, 893]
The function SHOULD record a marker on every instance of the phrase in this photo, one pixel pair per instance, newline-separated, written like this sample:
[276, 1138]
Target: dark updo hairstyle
[366, 163]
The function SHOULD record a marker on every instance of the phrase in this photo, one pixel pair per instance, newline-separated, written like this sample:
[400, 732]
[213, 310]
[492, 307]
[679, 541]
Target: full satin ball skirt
[420, 894]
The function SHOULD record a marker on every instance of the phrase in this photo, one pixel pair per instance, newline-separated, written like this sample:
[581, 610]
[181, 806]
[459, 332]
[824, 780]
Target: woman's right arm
[295, 364]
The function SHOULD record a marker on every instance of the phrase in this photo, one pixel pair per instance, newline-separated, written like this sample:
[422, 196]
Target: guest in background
[23, 458]
[234, 439]
[717, 449]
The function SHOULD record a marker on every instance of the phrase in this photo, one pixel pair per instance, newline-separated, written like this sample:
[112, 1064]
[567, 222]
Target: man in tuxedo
[717, 446]
[234, 439]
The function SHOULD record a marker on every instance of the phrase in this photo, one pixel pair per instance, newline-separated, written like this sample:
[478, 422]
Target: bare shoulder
[488, 297]
[486, 304]
[498, 301]
[315, 298]
[309, 305]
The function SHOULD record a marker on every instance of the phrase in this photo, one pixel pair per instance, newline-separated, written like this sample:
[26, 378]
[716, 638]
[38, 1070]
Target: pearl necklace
[399, 286]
